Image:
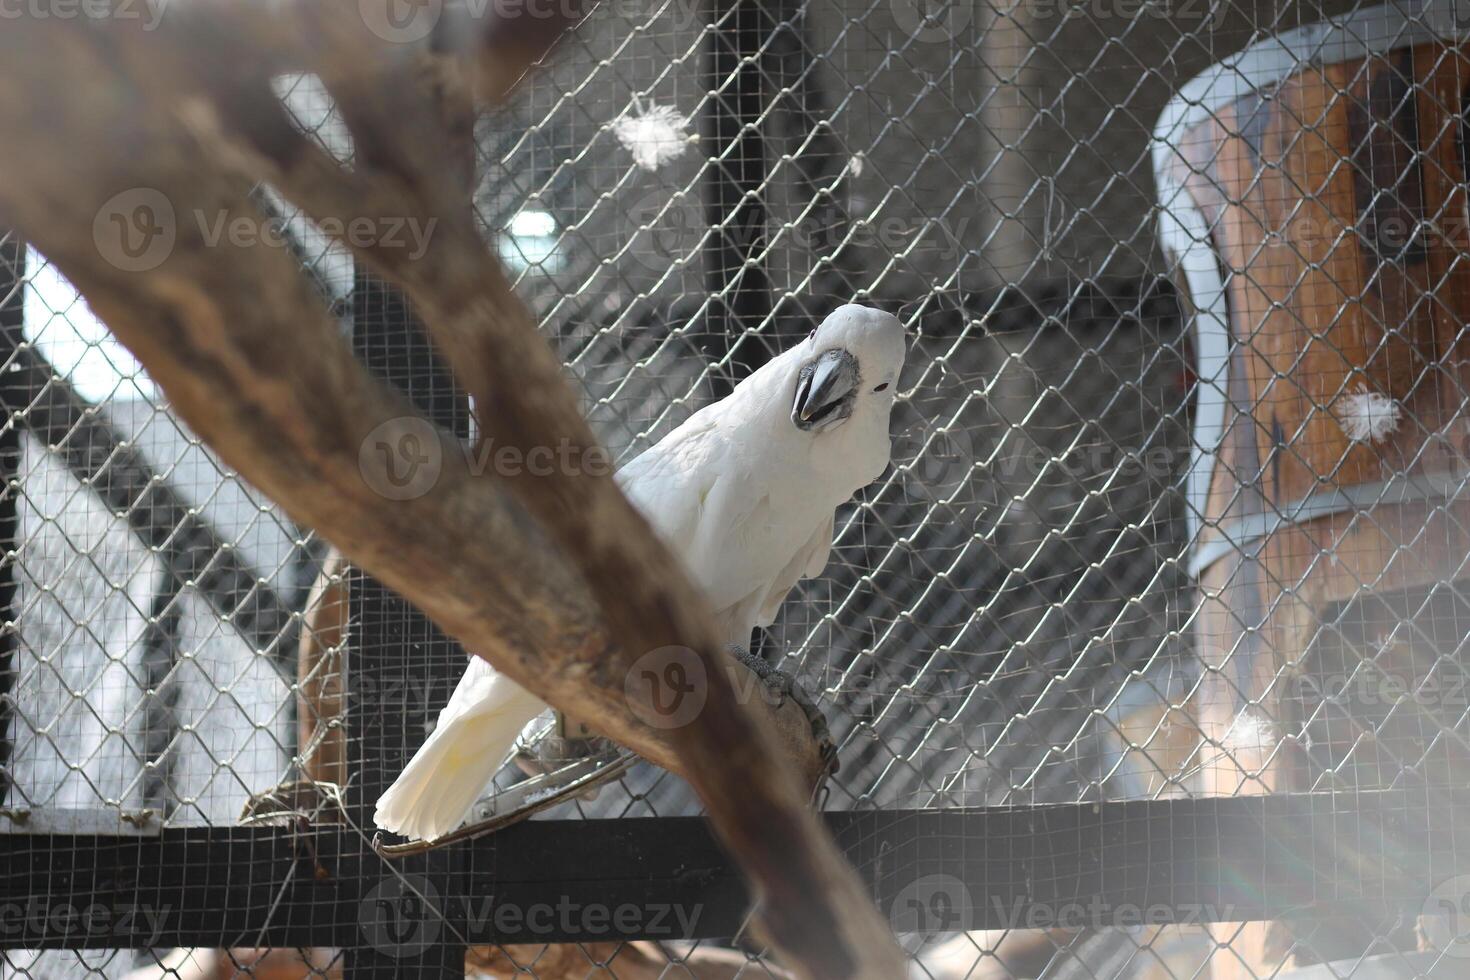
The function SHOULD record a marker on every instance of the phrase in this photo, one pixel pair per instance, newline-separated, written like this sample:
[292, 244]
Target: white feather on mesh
[1249, 731]
[1367, 416]
[654, 137]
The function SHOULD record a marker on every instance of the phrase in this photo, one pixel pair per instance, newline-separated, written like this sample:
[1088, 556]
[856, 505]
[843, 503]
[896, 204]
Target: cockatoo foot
[566, 744]
[784, 686]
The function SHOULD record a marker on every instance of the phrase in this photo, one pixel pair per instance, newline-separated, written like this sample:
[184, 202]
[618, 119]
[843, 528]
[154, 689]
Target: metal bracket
[99, 821]
[522, 801]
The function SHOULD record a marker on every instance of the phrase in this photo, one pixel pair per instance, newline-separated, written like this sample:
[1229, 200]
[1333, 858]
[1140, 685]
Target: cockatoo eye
[882, 387]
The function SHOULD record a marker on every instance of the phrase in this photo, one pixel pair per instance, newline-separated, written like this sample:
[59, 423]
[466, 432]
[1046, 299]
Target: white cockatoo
[744, 492]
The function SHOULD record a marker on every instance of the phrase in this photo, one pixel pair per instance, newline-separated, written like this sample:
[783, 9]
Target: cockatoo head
[848, 372]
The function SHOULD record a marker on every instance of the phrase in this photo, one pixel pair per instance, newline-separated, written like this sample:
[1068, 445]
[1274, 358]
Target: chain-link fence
[1177, 512]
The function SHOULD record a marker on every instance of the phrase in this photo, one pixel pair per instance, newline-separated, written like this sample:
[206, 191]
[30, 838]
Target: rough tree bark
[569, 961]
[162, 130]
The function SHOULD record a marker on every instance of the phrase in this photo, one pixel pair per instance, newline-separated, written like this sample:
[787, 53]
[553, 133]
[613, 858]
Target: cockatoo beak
[825, 388]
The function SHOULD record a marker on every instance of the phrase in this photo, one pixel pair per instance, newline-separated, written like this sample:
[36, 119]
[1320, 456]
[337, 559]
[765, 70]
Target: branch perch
[183, 118]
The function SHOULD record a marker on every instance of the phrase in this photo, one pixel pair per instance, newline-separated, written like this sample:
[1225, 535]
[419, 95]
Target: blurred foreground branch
[141, 141]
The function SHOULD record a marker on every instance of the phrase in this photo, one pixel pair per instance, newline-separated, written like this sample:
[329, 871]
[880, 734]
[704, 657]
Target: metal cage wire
[1164, 301]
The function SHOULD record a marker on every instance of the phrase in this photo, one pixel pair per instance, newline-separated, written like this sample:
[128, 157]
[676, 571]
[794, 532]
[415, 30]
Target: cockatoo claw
[784, 686]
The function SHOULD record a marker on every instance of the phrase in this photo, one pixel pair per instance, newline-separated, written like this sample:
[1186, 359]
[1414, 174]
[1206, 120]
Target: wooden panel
[1442, 97]
[1338, 208]
[1319, 191]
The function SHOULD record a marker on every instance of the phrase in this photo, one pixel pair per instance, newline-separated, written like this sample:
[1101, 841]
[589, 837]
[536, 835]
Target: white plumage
[744, 492]
[655, 137]
[1368, 416]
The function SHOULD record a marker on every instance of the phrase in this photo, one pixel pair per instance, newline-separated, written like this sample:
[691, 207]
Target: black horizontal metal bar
[1370, 854]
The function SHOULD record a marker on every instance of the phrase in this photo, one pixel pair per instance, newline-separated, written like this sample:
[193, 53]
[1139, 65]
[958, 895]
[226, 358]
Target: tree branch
[184, 120]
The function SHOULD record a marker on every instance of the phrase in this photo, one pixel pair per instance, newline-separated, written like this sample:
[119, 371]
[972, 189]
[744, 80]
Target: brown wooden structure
[1323, 174]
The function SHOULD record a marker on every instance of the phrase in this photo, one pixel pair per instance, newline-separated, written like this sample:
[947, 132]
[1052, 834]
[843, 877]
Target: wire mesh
[1177, 504]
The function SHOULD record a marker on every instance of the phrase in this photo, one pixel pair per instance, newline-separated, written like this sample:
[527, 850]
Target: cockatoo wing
[667, 483]
[720, 555]
[480, 688]
[808, 563]
[700, 497]
[705, 490]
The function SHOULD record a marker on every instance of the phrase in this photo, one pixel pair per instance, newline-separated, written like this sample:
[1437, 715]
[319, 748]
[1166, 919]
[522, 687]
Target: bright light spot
[532, 224]
[81, 348]
[531, 242]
